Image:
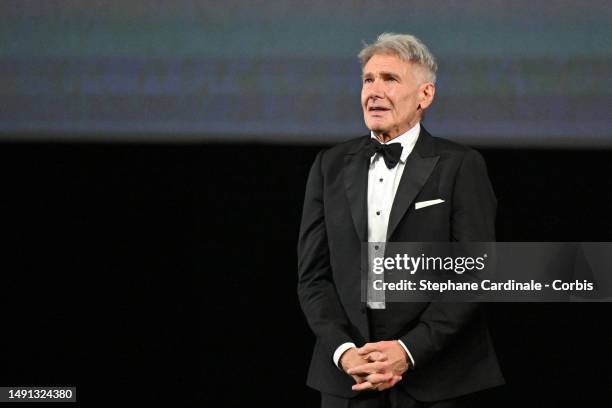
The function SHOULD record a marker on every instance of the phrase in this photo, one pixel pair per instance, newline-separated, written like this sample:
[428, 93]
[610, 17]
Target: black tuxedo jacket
[449, 342]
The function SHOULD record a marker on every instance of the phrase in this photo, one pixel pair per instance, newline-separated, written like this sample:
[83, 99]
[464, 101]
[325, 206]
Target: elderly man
[368, 352]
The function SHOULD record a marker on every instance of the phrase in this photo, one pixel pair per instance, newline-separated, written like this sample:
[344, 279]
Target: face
[392, 96]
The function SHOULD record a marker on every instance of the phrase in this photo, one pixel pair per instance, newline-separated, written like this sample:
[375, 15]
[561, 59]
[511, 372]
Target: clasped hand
[375, 366]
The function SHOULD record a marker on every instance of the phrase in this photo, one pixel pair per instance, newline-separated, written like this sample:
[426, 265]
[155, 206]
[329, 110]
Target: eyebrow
[384, 74]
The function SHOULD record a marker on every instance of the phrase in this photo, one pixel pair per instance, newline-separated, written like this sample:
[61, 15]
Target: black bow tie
[391, 153]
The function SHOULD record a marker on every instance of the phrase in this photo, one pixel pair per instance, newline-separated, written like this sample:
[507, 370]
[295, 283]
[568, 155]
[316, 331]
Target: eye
[367, 80]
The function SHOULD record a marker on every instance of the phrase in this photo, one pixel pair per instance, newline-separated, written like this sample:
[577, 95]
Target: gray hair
[407, 47]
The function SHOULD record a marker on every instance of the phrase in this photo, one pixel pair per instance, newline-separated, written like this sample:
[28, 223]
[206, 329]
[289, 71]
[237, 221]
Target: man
[376, 353]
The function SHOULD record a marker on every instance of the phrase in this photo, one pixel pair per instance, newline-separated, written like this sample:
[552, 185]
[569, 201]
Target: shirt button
[380, 180]
[376, 247]
[377, 212]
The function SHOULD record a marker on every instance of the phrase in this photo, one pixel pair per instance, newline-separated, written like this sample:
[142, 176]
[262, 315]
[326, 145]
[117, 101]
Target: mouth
[377, 109]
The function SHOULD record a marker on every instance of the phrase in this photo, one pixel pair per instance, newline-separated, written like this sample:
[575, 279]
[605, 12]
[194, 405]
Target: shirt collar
[407, 140]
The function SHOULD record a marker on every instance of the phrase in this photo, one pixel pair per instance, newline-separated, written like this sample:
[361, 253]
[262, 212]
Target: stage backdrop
[511, 73]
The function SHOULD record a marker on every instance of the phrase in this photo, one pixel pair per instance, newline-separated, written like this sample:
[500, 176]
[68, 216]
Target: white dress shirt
[382, 186]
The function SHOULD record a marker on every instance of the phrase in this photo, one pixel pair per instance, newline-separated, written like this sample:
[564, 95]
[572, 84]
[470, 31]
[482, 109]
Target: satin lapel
[356, 185]
[416, 172]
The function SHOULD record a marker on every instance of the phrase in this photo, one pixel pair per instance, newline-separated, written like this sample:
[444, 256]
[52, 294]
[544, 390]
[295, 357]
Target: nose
[375, 90]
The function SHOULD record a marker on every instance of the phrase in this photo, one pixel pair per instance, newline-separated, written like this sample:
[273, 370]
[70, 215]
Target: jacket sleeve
[316, 289]
[473, 219]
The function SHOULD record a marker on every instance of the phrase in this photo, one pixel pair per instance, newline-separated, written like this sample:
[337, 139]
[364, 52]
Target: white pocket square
[427, 203]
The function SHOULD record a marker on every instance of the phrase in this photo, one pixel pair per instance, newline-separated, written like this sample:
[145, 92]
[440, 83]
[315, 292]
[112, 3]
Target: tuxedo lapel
[419, 165]
[356, 186]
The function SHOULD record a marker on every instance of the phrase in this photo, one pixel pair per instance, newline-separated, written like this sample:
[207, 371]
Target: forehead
[386, 63]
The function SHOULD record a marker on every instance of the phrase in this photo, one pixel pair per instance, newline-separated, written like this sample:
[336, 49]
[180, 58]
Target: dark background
[149, 250]
[167, 273]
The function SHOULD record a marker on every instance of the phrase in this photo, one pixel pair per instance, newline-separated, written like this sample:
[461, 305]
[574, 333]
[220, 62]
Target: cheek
[408, 103]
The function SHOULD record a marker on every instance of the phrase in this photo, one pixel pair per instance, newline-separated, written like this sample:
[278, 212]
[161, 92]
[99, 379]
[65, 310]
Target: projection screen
[511, 73]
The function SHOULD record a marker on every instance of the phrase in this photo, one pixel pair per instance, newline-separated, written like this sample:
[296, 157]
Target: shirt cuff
[407, 352]
[339, 351]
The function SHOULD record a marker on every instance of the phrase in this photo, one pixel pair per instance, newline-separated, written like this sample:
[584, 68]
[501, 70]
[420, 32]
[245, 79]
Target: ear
[426, 95]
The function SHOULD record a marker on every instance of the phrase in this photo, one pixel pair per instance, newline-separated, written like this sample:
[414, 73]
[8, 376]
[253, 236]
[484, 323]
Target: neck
[384, 137]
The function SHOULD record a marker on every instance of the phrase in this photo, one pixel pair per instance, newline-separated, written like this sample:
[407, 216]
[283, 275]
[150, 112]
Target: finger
[358, 380]
[383, 386]
[395, 380]
[369, 368]
[368, 348]
[389, 384]
[364, 386]
[376, 356]
[379, 378]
